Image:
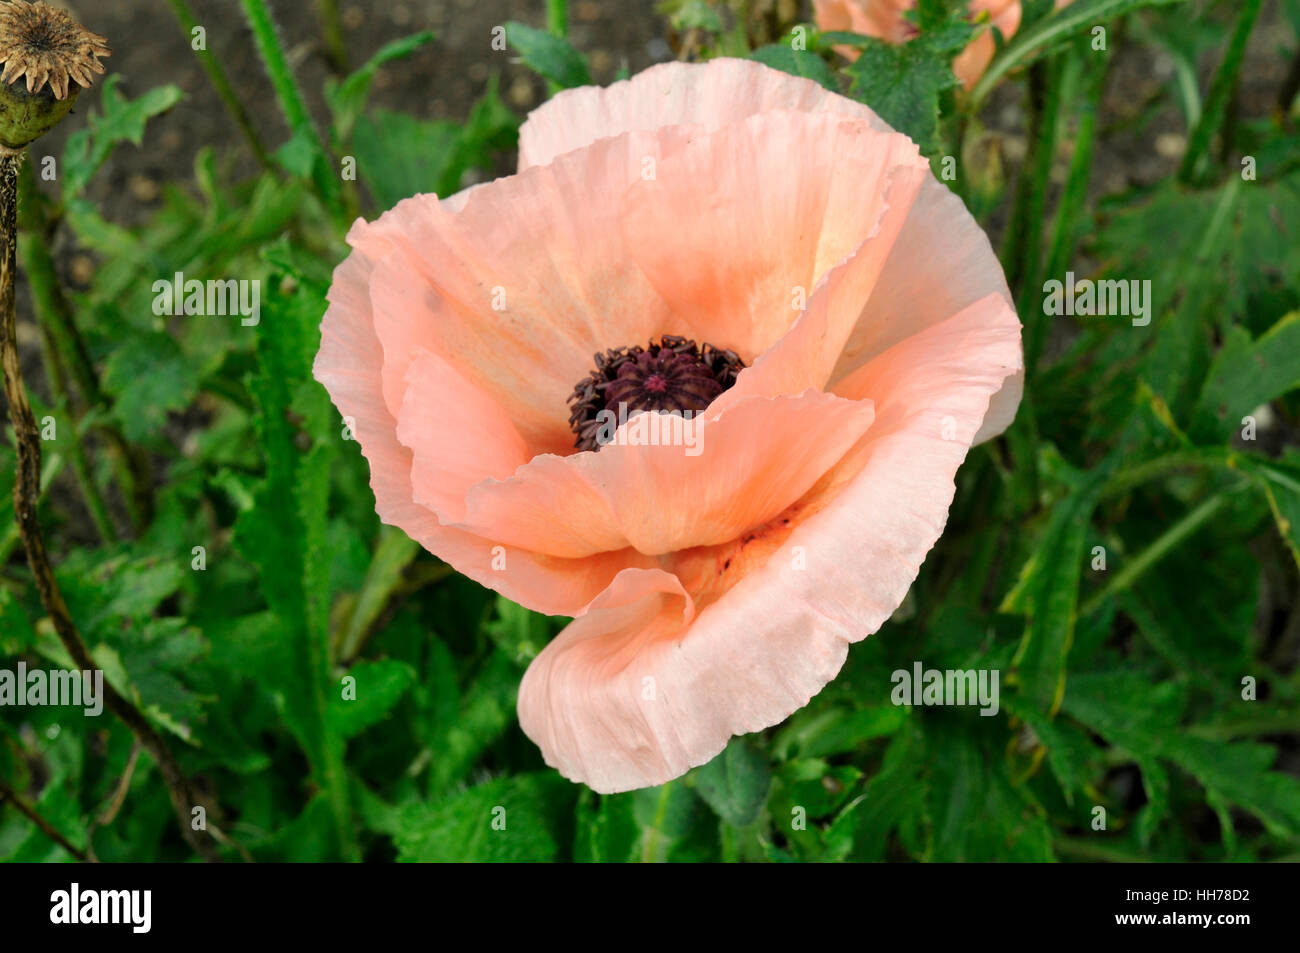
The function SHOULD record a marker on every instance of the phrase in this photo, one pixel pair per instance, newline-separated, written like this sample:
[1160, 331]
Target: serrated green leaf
[149, 376]
[118, 120]
[903, 82]
[801, 63]
[507, 820]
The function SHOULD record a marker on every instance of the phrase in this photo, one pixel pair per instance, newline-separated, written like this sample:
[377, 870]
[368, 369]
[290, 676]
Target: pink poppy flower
[884, 20]
[721, 238]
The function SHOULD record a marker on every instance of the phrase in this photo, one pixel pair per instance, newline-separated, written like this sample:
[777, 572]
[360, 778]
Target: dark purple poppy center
[675, 374]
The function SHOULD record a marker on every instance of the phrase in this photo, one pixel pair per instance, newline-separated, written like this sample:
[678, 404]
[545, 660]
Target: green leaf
[286, 536]
[893, 794]
[1070, 754]
[671, 817]
[16, 633]
[1280, 481]
[1047, 592]
[607, 829]
[1247, 373]
[816, 733]
[551, 56]
[1129, 711]
[695, 15]
[399, 156]
[813, 785]
[978, 813]
[1240, 774]
[903, 82]
[120, 120]
[520, 633]
[735, 783]
[149, 376]
[347, 99]
[797, 63]
[487, 709]
[507, 820]
[378, 687]
[160, 661]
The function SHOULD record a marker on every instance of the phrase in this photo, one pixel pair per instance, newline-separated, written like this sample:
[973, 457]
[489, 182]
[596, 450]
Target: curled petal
[753, 462]
[350, 365]
[781, 632]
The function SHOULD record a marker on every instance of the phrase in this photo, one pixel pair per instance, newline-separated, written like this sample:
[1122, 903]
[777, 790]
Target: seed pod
[57, 58]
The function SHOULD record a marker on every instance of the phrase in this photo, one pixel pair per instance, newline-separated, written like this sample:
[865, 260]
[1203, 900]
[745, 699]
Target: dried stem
[26, 497]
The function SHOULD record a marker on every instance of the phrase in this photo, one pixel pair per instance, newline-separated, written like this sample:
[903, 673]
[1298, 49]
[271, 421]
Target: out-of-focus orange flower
[884, 20]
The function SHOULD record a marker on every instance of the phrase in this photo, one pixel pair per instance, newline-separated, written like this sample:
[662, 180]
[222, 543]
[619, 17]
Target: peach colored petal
[756, 459]
[521, 286]
[349, 365]
[590, 699]
[807, 354]
[551, 505]
[824, 182]
[708, 95]
[636, 668]
[941, 263]
[942, 260]
[458, 435]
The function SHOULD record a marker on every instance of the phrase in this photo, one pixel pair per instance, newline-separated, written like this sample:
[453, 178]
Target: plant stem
[1221, 90]
[94, 500]
[1076, 186]
[1161, 466]
[221, 83]
[49, 830]
[557, 23]
[1144, 560]
[1022, 246]
[1287, 91]
[54, 314]
[267, 40]
[53, 466]
[557, 17]
[26, 495]
[336, 50]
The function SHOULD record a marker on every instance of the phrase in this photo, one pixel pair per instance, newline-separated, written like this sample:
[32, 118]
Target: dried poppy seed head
[57, 57]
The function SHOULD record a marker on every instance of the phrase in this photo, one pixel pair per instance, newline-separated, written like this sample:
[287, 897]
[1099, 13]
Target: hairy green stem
[1068, 210]
[1163, 466]
[267, 40]
[1022, 246]
[221, 83]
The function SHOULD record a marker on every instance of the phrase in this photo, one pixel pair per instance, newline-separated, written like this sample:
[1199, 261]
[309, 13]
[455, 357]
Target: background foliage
[1122, 687]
